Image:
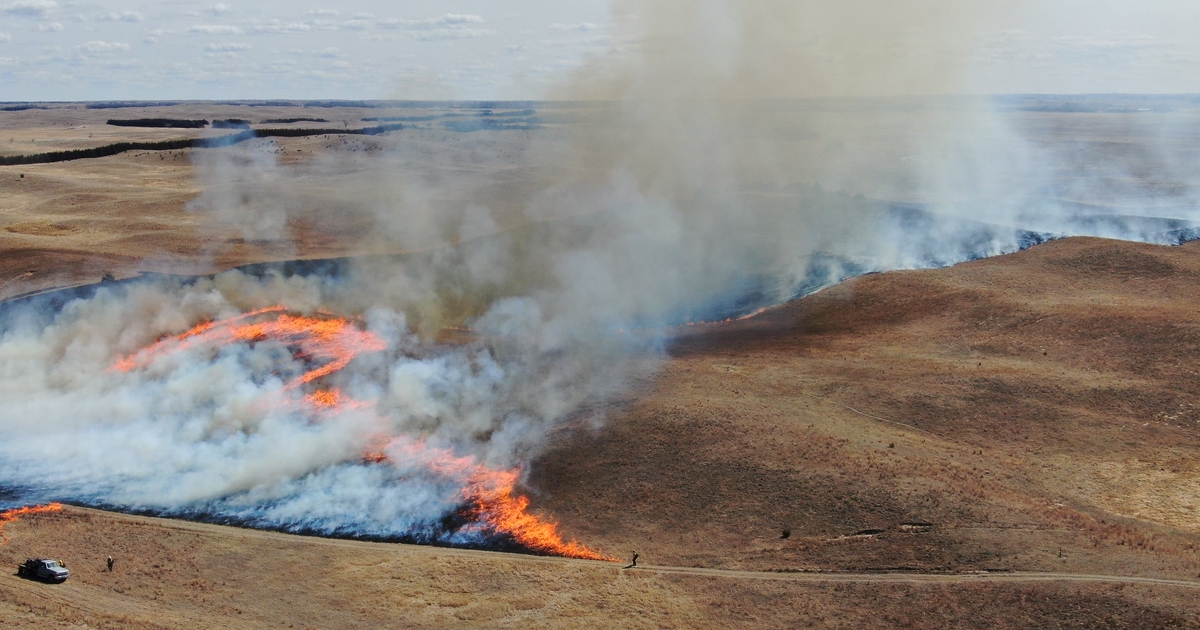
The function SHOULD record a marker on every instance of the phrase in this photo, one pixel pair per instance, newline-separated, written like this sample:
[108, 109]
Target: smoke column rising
[727, 160]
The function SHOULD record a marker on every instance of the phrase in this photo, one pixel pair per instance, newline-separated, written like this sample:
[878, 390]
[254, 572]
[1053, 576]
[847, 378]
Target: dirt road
[920, 578]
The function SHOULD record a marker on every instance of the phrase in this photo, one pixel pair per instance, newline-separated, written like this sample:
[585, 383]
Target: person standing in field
[110, 563]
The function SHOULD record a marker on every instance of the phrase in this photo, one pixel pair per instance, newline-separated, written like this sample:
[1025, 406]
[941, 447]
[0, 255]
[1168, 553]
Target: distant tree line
[120, 104]
[424, 118]
[95, 152]
[177, 123]
[285, 121]
[336, 103]
[231, 123]
[297, 133]
[186, 143]
[487, 124]
[429, 104]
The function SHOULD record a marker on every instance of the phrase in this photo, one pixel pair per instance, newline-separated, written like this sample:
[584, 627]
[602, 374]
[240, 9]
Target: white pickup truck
[44, 569]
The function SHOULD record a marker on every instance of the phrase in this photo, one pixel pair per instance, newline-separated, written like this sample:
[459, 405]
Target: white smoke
[705, 179]
[212, 431]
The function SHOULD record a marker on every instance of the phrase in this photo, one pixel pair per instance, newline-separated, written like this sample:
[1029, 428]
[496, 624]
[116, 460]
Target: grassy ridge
[185, 143]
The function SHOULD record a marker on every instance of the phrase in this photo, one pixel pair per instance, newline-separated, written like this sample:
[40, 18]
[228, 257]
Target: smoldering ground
[725, 156]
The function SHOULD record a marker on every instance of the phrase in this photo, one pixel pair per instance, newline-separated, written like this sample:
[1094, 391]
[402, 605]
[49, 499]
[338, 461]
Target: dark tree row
[176, 123]
[122, 104]
[285, 121]
[231, 123]
[186, 143]
[95, 152]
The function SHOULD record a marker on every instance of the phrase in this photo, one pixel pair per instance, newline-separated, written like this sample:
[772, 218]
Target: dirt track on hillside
[173, 574]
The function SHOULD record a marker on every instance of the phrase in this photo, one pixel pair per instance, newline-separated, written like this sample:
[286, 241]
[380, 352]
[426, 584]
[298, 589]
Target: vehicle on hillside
[43, 569]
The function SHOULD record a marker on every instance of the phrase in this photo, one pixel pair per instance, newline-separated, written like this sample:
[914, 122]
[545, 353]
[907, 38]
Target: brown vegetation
[1033, 412]
[1018, 407]
[933, 421]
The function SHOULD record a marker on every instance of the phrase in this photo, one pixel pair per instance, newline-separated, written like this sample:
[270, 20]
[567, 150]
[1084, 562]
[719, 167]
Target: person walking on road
[110, 563]
[634, 563]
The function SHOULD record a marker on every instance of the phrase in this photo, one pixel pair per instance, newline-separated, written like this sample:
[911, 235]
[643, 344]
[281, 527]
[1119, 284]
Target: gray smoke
[727, 156]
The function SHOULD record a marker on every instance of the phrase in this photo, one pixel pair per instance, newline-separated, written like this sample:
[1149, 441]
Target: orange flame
[13, 515]
[491, 497]
[739, 318]
[148, 354]
[491, 492]
[329, 339]
[331, 399]
[330, 343]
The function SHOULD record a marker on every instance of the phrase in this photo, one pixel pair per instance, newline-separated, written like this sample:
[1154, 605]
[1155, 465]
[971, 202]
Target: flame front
[326, 344]
[330, 341]
[15, 514]
[492, 493]
[491, 502]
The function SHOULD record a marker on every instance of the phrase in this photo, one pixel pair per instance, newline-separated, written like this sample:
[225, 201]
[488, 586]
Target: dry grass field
[69, 223]
[1024, 413]
[1021, 404]
[1031, 413]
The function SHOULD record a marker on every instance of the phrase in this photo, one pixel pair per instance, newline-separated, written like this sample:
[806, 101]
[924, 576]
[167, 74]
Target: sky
[62, 50]
[518, 49]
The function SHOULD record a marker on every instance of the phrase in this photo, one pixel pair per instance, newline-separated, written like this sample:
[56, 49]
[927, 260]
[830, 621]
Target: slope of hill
[1027, 413]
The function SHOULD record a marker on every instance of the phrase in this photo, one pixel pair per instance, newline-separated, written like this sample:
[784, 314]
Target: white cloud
[220, 9]
[582, 27]
[1100, 49]
[459, 34]
[450, 33]
[215, 39]
[455, 18]
[5, 38]
[448, 26]
[123, 16]
[215, 29]
[122, 63]
[31, 8]
[226, 47]
[275, 26]
[52, 27]
[96, 47]
[451, 20]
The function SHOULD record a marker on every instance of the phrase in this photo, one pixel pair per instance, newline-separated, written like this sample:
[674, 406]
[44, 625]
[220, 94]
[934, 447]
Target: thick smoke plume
[725, 156]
